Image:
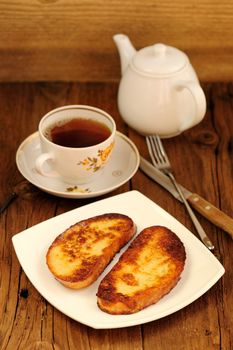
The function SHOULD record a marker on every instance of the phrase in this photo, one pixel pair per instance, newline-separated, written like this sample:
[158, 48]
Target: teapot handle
[198, 96]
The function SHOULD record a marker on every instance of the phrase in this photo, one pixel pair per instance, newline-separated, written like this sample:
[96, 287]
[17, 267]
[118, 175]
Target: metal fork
[160, 160]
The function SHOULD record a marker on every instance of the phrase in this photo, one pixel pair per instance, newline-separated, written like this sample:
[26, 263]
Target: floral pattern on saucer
[77, 189]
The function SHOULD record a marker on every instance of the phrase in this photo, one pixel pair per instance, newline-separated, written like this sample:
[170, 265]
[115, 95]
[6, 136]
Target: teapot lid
[159, 59]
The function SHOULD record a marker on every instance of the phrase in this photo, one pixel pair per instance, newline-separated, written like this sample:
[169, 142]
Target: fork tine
[157, 152]
[160, 145]
[149, 146]
[160, 148]
[157, 148]
[155, 156]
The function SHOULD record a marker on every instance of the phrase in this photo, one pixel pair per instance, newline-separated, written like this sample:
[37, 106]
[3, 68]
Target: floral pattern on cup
[95, 163]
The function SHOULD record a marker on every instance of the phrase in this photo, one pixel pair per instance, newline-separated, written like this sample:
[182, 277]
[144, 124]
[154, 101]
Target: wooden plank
[72, 40]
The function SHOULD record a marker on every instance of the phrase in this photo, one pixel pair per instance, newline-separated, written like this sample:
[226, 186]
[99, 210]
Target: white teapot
[159, 92]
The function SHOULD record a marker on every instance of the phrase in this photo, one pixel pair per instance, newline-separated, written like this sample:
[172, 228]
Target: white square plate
[202, 270]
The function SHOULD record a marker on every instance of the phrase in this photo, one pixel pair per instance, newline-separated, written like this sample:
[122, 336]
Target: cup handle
[198, 96]
[40, 165]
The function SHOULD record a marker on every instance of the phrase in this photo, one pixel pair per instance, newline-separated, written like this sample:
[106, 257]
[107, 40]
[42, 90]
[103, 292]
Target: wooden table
[203, 161]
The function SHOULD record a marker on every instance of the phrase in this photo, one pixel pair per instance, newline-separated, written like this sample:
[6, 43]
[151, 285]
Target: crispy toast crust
[78, 256]
[145, 272]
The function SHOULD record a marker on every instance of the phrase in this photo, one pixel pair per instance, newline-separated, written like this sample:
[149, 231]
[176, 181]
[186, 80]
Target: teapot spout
[125, 48]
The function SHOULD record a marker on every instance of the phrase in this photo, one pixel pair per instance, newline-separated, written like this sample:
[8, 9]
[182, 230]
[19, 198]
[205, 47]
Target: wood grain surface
[71, 40]
[202, 159]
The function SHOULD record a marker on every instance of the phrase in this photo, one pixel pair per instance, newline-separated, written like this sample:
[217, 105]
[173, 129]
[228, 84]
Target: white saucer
[122, 166]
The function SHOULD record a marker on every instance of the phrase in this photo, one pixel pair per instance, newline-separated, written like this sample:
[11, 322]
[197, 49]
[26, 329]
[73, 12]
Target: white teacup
[77, 160]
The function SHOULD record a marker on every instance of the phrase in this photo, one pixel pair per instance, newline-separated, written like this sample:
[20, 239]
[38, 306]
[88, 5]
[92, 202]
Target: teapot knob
[159, 49]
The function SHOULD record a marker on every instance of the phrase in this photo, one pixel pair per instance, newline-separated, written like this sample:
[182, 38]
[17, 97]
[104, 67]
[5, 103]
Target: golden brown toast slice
[145, 272]
[78, 256]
